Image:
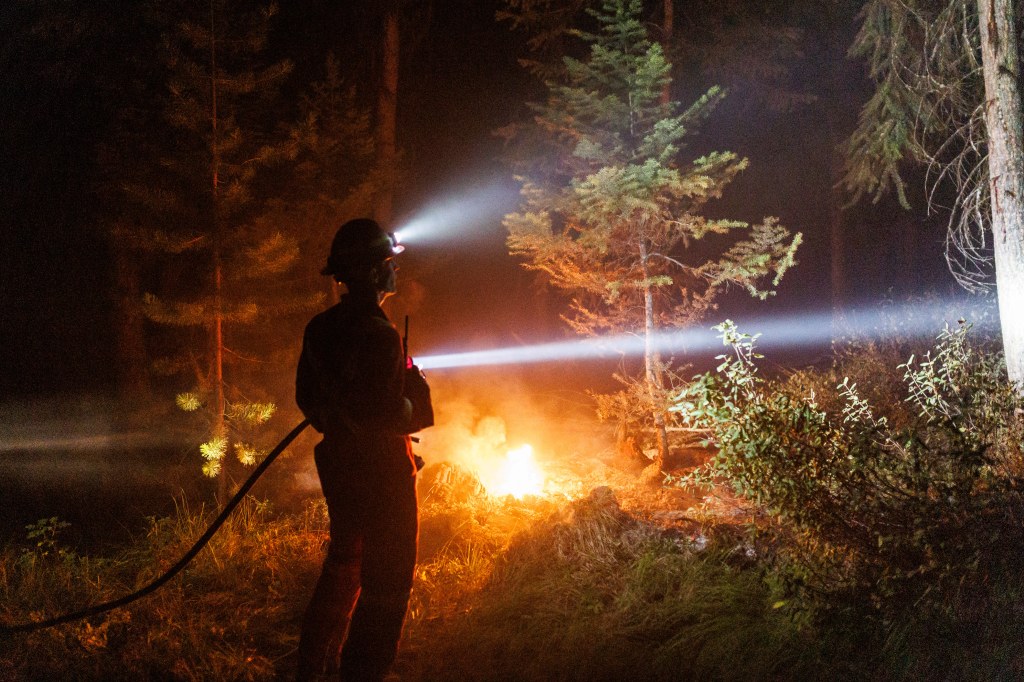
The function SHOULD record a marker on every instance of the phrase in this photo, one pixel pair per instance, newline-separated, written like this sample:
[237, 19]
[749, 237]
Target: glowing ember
[518, 475]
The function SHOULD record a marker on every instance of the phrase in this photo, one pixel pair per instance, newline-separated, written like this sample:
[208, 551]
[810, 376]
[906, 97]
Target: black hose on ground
[9, 629]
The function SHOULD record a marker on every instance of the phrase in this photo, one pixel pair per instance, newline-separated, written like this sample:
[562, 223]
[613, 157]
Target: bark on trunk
[1003, 121]
[833, 52]
[217, 324]
[387, 110]
[652, 364]
[667, 22]
[836, 233]
[219, 418]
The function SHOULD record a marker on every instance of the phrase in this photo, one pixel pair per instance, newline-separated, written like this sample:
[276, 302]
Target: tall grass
[590, 593]
[232, 615]
[541, 589]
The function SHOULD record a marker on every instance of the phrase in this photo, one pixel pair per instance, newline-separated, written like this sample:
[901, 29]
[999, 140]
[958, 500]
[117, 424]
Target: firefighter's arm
[308, 393]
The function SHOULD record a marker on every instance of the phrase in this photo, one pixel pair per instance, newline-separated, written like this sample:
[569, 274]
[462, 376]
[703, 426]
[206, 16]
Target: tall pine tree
[204, 207]
[611, 212]
[948, 95]
[330, 178]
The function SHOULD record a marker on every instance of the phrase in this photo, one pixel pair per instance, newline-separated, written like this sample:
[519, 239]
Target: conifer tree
[612, 213]
[948, 95]
[387, 107]
[204, 208]
[783, 58]
[331, 177]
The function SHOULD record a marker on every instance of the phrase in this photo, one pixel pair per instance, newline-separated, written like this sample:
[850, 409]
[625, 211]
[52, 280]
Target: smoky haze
[482, 414]
[77, 459]
[463, 292]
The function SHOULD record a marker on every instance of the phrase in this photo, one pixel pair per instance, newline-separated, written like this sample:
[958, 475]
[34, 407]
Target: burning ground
[596, 572]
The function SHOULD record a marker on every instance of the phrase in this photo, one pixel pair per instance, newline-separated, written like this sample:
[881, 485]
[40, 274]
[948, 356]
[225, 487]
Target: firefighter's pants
[367, 576]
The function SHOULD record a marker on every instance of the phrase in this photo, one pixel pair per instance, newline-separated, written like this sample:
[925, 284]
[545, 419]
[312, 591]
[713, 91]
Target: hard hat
[360, 242]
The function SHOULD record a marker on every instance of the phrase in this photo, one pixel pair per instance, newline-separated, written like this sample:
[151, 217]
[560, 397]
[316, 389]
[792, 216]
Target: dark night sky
[461, 82]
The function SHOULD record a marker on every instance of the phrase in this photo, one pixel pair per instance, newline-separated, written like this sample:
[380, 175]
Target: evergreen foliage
[948, 95]
[611, 213]
[330, 178]
[758, 48]
[926, 60]
[928, 107]
[204, 213]
[549, 24]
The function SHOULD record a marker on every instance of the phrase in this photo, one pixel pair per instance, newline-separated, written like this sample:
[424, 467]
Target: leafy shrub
[886, 505]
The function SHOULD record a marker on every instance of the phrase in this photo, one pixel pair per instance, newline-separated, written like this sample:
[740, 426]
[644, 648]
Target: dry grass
[610, 586]
[591, 592]
[232, 614]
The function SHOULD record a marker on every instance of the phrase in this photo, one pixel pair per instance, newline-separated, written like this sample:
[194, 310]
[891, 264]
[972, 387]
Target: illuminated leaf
[253, 413]
[211, 468]
[247, 454]
[189, 402]
[213, 450]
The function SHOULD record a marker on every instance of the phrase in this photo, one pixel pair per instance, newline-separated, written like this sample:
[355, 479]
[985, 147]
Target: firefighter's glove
[418, 393]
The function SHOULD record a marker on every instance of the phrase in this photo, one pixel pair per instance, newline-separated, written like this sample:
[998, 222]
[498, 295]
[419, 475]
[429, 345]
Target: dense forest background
[76, 79]
[844, 509]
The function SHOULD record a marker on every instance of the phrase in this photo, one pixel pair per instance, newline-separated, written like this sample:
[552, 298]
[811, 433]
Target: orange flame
[518, 475]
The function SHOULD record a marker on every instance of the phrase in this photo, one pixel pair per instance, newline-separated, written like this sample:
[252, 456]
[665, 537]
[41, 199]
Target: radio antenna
[405, 343]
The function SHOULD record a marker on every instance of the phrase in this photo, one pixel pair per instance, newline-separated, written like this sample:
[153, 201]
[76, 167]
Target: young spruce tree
[204, 208]
[330, 176]
[612, 214]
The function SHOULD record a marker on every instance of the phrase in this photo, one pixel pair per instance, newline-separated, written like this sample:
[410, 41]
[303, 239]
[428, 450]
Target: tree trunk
[133, 376]
[1003, 121]
[652, 364]
[833, 52]
[219, 418]
[217, 326]
[836, 231]
[387, 109]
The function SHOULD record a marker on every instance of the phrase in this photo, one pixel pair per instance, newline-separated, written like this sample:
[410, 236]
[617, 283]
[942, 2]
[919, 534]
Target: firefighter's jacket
[351, 384]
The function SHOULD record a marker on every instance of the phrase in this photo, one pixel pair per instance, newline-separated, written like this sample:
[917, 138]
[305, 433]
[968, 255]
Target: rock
[603, 496]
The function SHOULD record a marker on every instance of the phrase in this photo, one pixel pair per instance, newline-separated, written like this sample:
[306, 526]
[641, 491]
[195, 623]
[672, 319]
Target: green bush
[910, 503]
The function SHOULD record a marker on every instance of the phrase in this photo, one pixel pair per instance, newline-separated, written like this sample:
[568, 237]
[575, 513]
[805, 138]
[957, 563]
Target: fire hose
[7, 629]
[153, 586]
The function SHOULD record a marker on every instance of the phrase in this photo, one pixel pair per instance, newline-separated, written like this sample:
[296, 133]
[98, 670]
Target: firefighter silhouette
[354, 386]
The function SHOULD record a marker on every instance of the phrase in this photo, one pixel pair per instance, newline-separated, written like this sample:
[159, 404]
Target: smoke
[70, 424]
[100, 464]
[80, 444]
[481, 417]
[467, 437]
